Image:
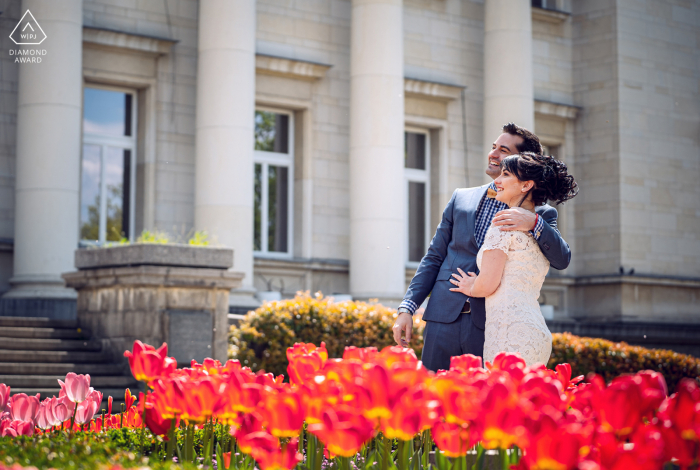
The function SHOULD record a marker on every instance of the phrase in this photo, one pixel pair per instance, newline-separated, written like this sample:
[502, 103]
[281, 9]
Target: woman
[512, 267]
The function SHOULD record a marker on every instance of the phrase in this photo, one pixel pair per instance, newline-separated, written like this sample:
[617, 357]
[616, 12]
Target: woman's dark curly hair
[551, 178]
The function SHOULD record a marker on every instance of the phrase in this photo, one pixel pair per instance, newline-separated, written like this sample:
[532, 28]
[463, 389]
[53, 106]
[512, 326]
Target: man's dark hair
[531, 143]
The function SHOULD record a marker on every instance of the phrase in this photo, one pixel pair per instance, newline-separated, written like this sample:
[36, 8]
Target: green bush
[611, 359]
[261, 340]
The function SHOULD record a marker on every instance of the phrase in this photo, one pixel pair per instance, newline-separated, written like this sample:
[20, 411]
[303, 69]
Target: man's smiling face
[504, 146]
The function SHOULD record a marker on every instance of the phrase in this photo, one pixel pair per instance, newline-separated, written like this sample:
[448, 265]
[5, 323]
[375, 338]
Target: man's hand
[515, 218]
[404, 324]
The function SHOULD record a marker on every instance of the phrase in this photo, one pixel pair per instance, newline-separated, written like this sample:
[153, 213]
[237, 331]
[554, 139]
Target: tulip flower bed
[369, 410]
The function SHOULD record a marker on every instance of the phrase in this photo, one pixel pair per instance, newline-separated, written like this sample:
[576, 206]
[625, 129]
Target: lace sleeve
[497, 239]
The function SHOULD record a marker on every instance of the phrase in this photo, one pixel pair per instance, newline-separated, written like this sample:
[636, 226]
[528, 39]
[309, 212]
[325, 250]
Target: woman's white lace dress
[514, 322]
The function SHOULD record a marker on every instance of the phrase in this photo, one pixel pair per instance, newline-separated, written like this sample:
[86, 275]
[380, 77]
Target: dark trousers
[441, 341]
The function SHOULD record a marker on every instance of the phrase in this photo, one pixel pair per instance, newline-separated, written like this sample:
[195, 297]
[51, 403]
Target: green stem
[171, 440]
[480, 456]
[387, 453]
[401, 464]
[143, 425]
[72, 420]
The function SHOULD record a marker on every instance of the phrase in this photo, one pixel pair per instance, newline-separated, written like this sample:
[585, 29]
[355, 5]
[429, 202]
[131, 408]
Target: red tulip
[155, 422]
[109, 405]
[682, 410]
[251, 423]
[555, 445]
[76, 387]
[453, 439]
[283, 414]
[619, 405]
[465, 362]
[129, 399]
[24, 408]
[502, 421]
[147, 363]
[266, 451]
[342, 431]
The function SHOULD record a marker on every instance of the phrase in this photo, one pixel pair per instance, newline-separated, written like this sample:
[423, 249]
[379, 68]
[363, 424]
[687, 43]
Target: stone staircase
[35, 352]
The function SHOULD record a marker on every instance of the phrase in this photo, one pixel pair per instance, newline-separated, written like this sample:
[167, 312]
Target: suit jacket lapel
[473, 205]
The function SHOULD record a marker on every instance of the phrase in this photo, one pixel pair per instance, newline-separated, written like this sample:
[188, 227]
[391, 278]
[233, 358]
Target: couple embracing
[507, 233]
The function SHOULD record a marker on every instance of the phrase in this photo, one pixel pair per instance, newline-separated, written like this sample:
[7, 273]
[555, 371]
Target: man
[455, 323]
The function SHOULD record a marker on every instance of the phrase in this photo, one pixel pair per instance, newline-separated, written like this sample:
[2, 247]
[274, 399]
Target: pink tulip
[44, 417]
[59, 411]
[24, 408]
[76, 387]
[16, 428]
[85, 411]
[4, 398]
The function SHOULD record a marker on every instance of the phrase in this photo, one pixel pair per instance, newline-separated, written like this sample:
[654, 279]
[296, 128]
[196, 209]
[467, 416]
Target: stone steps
[13, 355]
[43, 333]
[36, 352]
[54, 344]
[58, 368]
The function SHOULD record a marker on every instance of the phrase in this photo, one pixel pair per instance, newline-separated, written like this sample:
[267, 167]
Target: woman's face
[510, 190]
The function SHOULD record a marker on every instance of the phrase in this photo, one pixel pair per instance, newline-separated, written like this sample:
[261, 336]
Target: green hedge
[611, 359]
[261, 340]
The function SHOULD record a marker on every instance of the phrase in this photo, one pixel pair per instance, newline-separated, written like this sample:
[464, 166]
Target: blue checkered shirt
[484, 215]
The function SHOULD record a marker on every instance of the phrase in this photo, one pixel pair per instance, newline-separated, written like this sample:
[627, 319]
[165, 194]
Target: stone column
[377, 193]
[47, 183]
[225, 127]
[508, 83]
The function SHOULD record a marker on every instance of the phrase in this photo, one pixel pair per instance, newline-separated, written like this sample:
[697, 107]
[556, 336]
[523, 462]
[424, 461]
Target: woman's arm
[488, 280]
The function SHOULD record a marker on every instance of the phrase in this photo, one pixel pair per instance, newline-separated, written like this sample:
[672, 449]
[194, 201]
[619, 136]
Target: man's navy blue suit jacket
[454, 245]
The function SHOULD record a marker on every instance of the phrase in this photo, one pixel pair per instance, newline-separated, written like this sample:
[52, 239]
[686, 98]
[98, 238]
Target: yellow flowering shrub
[610, 359]
[261, 340]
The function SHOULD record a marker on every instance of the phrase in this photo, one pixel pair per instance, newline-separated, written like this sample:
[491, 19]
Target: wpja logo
[28, 32]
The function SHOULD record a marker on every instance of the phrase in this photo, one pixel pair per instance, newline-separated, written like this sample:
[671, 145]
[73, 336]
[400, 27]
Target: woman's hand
[463, 281]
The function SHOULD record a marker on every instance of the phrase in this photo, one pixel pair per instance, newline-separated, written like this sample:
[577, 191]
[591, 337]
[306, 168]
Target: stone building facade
[321, 139]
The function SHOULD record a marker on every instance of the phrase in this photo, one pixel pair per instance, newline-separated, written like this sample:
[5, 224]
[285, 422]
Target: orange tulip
[343, 431]
[304, 361]
[453, 439]
[361, 355]
[283, 414]
[147, 363]
[414, 412]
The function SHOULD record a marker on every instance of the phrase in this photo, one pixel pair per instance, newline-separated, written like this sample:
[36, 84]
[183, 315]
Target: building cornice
[560, 110]
[291, 68]
[431, 90]
[113, 39]
[550, 16]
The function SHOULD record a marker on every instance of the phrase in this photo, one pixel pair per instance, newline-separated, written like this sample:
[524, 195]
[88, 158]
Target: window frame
[123, 143]
[265, 159]
[417, 176]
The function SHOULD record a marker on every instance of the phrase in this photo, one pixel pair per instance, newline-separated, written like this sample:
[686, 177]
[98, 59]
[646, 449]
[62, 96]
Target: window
[417, 175]
[108, 165]
[272, 221]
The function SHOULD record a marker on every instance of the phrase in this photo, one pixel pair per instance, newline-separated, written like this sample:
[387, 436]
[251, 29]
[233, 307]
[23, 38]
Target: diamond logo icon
[28, 31]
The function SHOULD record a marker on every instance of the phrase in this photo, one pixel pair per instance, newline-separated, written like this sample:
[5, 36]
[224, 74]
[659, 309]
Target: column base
[242, 300]
[39, 296]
